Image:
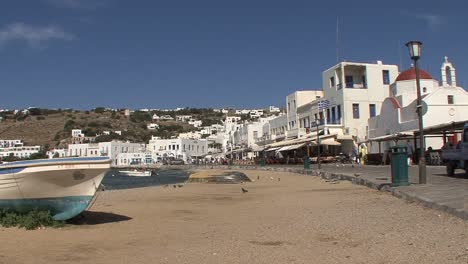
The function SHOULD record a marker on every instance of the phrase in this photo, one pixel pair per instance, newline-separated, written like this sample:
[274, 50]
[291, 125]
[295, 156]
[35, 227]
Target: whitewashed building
[293, 102]
[17, 148]
[355, 92]
[442, 103]
[182, 148]
[109, 149]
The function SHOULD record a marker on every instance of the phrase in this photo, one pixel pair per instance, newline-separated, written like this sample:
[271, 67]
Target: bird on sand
[244, 190]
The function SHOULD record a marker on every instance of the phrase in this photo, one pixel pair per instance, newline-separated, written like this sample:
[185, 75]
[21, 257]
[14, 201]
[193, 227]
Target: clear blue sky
[207, 53]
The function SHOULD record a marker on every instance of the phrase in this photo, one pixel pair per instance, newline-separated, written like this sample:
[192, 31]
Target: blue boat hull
[61, 208]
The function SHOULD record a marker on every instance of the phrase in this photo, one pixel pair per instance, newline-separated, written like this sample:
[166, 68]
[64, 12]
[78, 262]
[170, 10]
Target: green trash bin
[306, 163]
[262, 162]
[399, 166]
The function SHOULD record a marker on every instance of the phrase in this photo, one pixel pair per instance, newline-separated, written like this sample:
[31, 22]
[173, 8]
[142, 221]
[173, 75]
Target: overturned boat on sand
[64, 186]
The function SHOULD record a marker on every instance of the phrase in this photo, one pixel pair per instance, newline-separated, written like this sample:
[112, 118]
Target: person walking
[409, 151]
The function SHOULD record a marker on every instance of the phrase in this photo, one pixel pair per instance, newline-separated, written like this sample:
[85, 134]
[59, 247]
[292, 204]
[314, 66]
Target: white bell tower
[448, 73]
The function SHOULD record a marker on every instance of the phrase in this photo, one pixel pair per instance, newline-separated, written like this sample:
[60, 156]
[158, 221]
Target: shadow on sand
[97, 218]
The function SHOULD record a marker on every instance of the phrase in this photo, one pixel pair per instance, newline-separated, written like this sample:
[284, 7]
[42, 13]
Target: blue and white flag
[324, 104]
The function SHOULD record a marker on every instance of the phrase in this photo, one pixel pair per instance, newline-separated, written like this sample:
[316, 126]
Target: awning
[257, 148]
[272, 149]
[344, 137]
[283, 148]
[296, 146]
[330, 142]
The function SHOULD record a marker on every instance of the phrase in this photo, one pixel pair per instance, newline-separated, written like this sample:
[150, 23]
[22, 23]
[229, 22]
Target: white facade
[195, 123]
[17, 148]
[274, 109]
[77, 133]
[355, 92]
[441, 104]
[60, 153]
[138, 158]
[293, 102]
[180, 148]
[109, 149]
[190, 135]
[152, 126]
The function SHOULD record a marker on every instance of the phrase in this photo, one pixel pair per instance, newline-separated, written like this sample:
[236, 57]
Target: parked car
[457, 158]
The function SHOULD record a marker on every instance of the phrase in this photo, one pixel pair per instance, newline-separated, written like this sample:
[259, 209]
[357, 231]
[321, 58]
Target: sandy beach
[283, 218]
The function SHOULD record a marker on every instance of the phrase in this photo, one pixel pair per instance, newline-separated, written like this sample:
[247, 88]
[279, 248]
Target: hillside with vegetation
[53, 127]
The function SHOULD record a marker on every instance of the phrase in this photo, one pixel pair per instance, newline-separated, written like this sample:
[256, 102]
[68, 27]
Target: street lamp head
[414, 47]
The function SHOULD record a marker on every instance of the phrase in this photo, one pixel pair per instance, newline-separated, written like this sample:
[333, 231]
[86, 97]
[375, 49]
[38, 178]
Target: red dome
[410, 74]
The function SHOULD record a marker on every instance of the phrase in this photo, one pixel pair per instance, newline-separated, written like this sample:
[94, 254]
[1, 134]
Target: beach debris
[279, 179]
[175, 186]
[357, 174]
[271, 178]
[166, 185]
[244, 190]
[258, 177]
[180, 185]
[335, 182]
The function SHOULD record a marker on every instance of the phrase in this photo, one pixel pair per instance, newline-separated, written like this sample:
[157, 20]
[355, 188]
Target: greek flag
[324, 104]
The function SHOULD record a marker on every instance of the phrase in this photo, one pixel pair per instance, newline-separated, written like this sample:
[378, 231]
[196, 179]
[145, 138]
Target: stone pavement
[448, 194]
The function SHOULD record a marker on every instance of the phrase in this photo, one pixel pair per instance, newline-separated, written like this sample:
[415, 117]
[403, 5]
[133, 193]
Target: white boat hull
[136, 173]
[65, 187]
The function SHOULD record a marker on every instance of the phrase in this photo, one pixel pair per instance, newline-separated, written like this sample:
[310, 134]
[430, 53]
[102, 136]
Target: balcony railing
[356, 85]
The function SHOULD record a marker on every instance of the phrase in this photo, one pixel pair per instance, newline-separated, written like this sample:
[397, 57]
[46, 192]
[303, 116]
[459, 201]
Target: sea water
[113, 180]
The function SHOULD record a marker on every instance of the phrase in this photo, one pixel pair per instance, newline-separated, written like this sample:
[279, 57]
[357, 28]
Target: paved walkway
[448, 194]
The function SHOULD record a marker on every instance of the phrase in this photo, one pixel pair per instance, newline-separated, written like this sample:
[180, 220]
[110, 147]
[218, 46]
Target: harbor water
[114, 180]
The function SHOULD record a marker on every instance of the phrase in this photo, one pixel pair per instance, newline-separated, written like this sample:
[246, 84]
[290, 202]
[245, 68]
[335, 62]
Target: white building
[183, 118]
[441, 104]
[274, 109]
[182, 148]
[77, 133]
[109, 149]
[190, 135]
[355, 92]
[293, 101]
[195, 123]
[57, 153]
[152, 126]
[16, 148]
[138, 158]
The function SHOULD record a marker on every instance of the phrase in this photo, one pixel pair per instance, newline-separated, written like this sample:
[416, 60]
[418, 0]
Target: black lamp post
[415, 53]
[317, 124]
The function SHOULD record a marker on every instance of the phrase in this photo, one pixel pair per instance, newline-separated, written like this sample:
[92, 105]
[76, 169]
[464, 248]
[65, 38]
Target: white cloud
[32, 35]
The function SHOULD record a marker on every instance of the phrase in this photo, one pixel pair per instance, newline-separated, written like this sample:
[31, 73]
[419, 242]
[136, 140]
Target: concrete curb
[368, 183]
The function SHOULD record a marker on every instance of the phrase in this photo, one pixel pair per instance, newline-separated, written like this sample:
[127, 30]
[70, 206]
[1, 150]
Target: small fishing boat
[63, 186]
[136, 173]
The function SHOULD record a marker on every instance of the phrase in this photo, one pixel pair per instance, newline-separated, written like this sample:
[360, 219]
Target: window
[424, 89]
[332, 81]
[372, 110]
[364, 81]
[338, 112]
[356, 111]
[333, 113]
[450, 99]
[328, 115]
[349, 81]
[386, 77]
